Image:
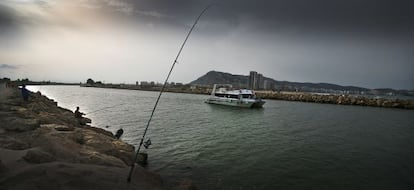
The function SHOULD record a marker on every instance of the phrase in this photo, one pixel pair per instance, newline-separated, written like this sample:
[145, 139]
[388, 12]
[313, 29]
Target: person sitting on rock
[25, 93]
[119, 133]
[78, 114]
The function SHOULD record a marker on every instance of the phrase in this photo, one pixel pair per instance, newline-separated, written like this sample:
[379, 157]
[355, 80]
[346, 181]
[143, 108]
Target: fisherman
[78, 114]
[25, 93]
[119, 133]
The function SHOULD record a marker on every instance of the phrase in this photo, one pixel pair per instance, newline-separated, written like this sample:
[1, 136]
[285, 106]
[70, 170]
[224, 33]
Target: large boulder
[409, 104]
[89, 156]
[63, 128]
[60, 144]
[19, 124]
[56, 118]
[69, 176]
[82, 145]
[108, 145]
[186, 184]
[2, 167]
[8, 142]
[38, 156]
[100, 130]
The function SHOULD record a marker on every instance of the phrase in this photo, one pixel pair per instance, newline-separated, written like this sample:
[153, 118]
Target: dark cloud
[7, 19]
[372, 17]
[387, 16]
[12, 19]
[368, 16]
[7, 66]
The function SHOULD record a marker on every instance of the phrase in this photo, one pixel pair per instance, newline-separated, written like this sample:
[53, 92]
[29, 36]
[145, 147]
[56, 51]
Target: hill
[216, 77]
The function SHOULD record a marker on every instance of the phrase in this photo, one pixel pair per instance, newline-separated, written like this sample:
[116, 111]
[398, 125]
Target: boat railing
[216, 86]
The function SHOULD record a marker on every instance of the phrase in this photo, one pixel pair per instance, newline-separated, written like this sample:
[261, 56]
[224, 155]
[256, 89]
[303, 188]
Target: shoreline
[338, 99]
[43, 146]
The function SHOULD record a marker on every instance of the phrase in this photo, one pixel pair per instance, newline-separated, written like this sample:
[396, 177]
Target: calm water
[285, 145]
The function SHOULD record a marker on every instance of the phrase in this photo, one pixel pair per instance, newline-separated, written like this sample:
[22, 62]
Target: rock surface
[43, 146]
[339, 99]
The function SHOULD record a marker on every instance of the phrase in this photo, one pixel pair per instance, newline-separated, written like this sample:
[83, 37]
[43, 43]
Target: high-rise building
[260, 81]
[267, 85]
[253, 80]
[256, 81]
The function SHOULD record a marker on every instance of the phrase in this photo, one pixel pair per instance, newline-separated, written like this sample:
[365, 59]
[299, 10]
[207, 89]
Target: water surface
[285, 145]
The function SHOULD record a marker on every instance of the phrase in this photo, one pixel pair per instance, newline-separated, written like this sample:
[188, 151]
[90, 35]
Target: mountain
[216, 77]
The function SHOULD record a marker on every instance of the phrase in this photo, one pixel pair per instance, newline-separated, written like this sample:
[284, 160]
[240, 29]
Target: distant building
[268, 85]
[256, 81]
[260, 81]
[253, 77]
[144, 83]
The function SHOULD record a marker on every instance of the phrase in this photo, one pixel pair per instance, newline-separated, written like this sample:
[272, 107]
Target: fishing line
[127, 123]
[161, 91]
[104, 108]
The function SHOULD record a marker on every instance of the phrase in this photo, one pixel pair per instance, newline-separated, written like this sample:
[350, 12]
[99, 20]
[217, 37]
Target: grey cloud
[355, 16]
[11, 18]
[7, 66]
[7, 19]
[122, 6]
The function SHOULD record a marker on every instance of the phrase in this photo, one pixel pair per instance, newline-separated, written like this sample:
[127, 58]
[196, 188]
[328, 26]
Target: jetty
[43, 146]
[339, 99]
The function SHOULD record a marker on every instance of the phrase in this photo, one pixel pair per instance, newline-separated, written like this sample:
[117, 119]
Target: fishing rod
[162, 90]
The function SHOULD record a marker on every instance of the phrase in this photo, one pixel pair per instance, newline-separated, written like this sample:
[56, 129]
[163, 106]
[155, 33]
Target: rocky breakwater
[42, 146]
[339, 99]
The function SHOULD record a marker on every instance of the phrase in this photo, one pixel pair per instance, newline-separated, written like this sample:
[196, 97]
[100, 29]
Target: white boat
[238, 98]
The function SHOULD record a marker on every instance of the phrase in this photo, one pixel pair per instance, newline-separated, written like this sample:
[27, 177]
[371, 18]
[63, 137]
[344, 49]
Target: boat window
[227, 96]
[234, 96]
[246, 95]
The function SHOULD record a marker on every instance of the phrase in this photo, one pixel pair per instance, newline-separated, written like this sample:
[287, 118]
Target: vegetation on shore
[26, 81]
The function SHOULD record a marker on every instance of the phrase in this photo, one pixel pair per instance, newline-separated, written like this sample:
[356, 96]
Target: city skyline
[352, 43]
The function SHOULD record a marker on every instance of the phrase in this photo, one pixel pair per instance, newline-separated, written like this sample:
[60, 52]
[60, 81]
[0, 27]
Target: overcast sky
[367, 43]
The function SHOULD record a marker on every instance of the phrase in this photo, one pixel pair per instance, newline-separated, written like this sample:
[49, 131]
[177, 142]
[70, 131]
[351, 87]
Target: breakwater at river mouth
[43, 146]
[339, 99]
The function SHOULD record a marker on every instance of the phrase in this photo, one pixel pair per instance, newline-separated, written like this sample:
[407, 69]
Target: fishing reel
[147, 143]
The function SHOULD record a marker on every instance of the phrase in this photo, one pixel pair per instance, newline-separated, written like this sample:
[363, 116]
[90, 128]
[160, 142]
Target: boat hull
[258, 104]
[244, 103]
